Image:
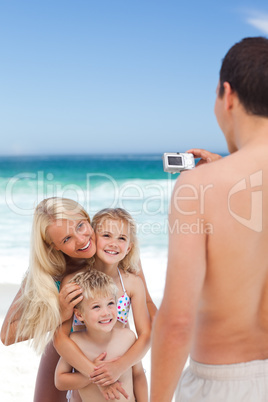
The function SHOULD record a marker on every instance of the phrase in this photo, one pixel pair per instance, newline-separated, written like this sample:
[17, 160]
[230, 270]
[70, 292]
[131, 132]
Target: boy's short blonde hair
[94, 284]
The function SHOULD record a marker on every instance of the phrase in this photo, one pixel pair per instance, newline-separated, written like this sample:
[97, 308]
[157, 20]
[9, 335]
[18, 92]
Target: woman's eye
[65, 240]
[80, 225]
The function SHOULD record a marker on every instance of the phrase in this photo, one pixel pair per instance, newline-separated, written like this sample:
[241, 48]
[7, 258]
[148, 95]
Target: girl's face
[74, 238]
[112, 240]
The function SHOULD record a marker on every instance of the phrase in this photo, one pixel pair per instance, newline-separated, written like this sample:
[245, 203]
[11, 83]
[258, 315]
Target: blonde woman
[38, 309]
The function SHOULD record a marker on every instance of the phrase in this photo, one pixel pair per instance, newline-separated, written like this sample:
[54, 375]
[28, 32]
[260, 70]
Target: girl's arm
[142, 344]
[69, 350]
[150, 304]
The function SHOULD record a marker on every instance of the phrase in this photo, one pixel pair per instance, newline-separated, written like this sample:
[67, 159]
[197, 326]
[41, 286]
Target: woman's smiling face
[74, 238]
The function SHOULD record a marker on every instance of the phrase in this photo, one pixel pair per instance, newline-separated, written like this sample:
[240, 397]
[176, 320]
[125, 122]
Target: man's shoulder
[214, 173]
[197, 191]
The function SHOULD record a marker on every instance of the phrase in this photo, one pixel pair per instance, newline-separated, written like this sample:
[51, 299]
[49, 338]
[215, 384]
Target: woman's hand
[69, 295]
[205, 156]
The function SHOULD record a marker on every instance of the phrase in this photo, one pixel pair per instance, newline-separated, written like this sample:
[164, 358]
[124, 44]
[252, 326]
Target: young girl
[62, 242]
[117, 255]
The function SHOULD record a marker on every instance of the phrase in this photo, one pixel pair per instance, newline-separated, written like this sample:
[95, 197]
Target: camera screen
[175, 160]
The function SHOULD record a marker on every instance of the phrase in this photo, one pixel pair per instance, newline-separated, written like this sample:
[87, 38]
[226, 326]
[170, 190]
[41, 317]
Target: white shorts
[242, 382]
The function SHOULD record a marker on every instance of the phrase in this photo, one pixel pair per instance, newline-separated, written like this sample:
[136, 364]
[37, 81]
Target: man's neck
[249, 129]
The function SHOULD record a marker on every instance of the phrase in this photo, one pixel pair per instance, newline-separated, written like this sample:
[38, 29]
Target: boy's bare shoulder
[126, 334]
[78, 334]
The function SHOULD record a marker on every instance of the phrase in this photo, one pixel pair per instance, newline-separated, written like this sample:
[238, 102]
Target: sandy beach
[19, 363]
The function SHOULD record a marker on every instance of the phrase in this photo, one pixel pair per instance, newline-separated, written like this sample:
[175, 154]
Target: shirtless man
[215, 305]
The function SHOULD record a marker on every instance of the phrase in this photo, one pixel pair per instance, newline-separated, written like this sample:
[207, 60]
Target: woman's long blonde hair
[39, 302]
[131, 260]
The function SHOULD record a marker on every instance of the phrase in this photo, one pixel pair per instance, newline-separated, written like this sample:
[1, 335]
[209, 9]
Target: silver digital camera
[177, 162]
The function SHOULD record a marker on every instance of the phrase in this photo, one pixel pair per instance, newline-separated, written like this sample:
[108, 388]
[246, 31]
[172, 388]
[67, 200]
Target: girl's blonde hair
[131, 260]
[39, 302]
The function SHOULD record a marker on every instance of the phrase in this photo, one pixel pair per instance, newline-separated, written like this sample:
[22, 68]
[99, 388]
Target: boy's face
[112, 240]
[98, 314]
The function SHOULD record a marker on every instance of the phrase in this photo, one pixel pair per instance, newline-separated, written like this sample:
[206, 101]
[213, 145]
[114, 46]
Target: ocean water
[134, 182]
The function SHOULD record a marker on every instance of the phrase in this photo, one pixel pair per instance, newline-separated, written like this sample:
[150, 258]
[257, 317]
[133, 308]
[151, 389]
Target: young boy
[98, 311]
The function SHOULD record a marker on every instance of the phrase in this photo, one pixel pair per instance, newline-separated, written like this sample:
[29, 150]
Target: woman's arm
[66, 299]
[10, 324]
[137, 351]
[150, 304]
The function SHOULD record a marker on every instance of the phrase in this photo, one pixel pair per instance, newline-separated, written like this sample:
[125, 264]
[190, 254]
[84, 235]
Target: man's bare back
[215, 305]
[233, 309]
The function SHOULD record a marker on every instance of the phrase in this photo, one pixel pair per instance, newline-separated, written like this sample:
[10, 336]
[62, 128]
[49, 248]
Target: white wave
[13, 268]
[146, 200]
[154, 265]
[137, 196]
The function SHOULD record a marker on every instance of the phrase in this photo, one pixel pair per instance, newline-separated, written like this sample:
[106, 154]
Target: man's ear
[228, 96]
[79, 315]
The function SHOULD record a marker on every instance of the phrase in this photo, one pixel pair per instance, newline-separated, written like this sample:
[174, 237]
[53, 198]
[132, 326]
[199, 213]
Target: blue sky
[116, 76]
